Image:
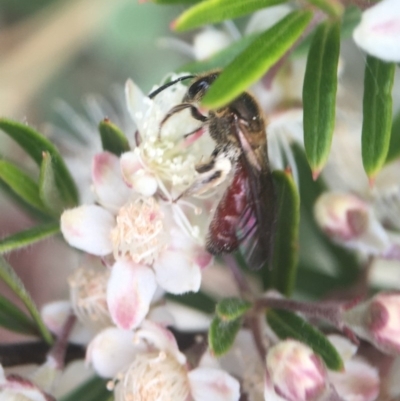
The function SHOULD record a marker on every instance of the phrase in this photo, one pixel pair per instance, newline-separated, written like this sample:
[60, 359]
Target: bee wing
[258, 220]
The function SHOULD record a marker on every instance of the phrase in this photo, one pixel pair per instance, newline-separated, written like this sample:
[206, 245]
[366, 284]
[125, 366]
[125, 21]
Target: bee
[245, 216]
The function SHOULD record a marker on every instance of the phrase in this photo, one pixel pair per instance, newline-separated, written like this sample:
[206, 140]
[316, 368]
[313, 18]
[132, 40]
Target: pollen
[137, 234]
[88, 289]
[153, 376]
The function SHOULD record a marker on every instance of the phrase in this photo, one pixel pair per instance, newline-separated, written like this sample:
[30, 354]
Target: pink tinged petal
[176, 272]
[135, 176]
[160, 338]
[137, 103]
[88, 228]
[343, 345]
[359, 381]
[213, 384]
[379, 31]
[14, 388]
[111, 351]
[108, 184]
[129, 292]
[202, 258]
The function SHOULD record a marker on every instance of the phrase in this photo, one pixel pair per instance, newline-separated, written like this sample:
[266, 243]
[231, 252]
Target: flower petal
[110, 188]
[88, 228]
[135, 176]
[54, 315]
[213, 384]
[129, 293]
[111, 351]
[379, 30]
[161, 338]
[136, 102]
[176, 273]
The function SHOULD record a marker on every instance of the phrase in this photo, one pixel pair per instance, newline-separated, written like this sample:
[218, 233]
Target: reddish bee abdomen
[222, 234]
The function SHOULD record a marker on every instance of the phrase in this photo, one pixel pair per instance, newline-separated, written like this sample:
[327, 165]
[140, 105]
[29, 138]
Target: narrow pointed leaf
[258, 57]
[282, 275]
[222, 334]
[334, 8]
[319, 93]
[8, 275]
[28, 237]
[212, 11]
[48, 189]
[394, 145]
[232, 308]
[220, 59]
[35, 144]
[93, 389]
[288, 325]
[377, 111]
[22, 185]
[13, 319]
[112, 138]
[197, 300]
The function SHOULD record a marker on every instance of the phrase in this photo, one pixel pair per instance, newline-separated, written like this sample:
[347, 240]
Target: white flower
[154, 240]
[158, 370]
[378, 33]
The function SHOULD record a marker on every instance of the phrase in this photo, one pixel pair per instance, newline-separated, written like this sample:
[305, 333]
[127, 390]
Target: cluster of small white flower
[150, 244]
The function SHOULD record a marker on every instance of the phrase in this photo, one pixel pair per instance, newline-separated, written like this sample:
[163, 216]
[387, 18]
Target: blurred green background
[66, 49]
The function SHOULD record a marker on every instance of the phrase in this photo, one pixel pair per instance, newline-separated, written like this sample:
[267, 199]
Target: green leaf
[22, 185]
[222, 334]
[212, 11]
[28, 237]
[288, 325]
[220, 59]
[93, 389]
[282, 275]
[319, 94]
[13, 319]
[232, 308]
[262, 54]
[394, 145]
[35, 144]
[332, 7]
[112, 138]
[377, 111]
[197, 300]
[8, 275]
[48, 190]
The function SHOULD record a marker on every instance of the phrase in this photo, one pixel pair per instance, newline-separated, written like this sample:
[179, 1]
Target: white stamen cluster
[153, 376]
[88, 289]
[138, 229]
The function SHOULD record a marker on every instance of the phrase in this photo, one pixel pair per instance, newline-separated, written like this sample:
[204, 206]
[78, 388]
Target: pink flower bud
[294, 372]
[378, 321]
[15, 388]
[379, 30]
[350, 221]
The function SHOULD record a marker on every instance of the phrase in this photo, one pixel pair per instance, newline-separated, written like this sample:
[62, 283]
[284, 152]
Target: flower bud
[378, 321]
[294, 372]
[111, 351]
[17, 388]
[350, 221]
[208, 42]
[379, 29]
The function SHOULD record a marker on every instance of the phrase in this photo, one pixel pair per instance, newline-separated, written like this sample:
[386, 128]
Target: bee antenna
[167, 85]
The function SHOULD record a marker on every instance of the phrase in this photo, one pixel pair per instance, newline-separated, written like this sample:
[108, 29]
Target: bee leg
[211, 174]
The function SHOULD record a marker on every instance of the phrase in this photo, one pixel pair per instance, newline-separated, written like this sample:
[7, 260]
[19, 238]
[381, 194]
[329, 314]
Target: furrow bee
[245, 216]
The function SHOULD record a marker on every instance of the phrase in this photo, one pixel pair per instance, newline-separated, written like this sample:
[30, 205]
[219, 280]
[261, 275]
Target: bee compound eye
[198, 87]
